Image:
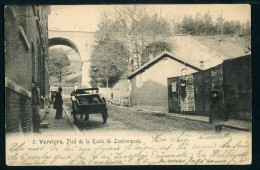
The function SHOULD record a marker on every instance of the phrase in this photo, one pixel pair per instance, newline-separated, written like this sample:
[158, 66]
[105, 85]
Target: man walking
[58, 104]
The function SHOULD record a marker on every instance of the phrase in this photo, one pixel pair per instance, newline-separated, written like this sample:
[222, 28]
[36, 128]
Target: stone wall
[12, 111]
[26, 56]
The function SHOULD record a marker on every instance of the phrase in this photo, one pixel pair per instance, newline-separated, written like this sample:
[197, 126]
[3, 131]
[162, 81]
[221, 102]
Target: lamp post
[107, 78]
[96, 70]
[85, 66]
[60, 76]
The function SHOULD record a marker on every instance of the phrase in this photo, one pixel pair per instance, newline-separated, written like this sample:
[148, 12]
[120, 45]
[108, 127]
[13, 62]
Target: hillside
[210, 49]
[230, 46]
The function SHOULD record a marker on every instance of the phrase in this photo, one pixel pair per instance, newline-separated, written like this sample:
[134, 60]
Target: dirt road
[125, 118]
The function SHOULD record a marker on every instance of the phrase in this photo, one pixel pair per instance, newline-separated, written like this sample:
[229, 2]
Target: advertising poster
[187, 93]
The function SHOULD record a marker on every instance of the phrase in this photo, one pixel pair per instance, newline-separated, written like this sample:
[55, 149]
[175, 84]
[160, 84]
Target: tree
[188, 26]
[245, 29]
[57, 61]
[209, 29]
[120, 40]
[219, 23]
[176, 26]
[139, 29]
[228, 27]
[198, 24]
[154, 49]
[110, 58]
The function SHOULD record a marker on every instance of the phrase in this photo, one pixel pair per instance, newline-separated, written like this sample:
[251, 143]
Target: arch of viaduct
[79, 41]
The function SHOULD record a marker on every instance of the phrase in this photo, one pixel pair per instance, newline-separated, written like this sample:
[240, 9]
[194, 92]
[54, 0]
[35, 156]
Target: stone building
[26, 56]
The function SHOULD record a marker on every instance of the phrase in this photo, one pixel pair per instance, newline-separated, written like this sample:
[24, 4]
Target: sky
[86, 17]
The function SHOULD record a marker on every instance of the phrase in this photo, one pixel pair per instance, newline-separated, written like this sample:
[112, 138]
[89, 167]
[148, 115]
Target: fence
[232, 78]
[105, 92]
[66, 90]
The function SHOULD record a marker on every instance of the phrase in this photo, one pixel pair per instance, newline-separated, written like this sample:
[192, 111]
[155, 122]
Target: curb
[44, 122]
[71, 122]
[236, 128]
[185, 118]
[223, 125]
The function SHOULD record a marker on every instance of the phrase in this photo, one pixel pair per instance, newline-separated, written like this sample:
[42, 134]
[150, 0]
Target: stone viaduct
[79, 41]
[185, 47]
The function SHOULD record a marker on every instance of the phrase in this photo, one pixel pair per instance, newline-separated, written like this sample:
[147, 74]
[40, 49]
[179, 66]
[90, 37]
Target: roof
[194, 51]
[158, 58]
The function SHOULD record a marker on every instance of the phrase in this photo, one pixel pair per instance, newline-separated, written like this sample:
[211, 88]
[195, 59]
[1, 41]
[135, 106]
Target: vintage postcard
[89, 85]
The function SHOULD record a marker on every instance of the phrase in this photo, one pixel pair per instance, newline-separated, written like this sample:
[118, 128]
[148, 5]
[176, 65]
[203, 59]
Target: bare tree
[138, 29]
[219, 23]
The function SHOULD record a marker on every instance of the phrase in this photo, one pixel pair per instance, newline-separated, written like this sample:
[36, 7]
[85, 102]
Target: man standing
[217, 110]
[58, 104]
[35, 110]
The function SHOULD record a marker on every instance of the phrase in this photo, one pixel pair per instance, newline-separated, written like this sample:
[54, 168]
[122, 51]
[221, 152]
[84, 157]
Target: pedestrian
[73, 101]
[58, 104]
[35, 110]
[52, 96]
[183, 92]
[217, 110]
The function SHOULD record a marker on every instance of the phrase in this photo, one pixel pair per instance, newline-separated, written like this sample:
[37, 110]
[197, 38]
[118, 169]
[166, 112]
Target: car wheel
[104, 116]
[75, 116]
[86, 117]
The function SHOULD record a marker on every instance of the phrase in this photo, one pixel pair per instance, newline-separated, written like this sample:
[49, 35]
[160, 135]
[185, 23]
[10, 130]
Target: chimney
[150, 56]
[202, 64]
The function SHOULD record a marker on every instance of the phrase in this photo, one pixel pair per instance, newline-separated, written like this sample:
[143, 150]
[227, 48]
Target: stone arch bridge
[79, 41]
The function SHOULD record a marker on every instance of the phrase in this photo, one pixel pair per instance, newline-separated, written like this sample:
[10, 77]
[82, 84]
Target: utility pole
[107, 82]
[60, 76]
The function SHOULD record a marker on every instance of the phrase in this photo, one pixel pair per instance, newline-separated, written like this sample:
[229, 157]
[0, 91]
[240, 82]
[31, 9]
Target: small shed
[149, 83]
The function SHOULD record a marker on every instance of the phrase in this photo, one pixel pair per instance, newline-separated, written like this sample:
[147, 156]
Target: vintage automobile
[88, 101]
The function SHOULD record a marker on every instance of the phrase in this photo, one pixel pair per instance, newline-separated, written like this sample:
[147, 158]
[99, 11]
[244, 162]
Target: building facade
[149, 88]
[232, 79]
[26, 57]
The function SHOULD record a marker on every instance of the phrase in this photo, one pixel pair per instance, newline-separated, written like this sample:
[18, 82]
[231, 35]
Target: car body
[88, 101]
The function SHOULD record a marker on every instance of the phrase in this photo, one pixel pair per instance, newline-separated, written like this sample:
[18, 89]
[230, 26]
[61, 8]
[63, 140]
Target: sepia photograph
[135, 84]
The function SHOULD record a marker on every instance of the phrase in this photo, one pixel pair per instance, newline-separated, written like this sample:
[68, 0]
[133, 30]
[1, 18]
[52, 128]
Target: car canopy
[87, 91]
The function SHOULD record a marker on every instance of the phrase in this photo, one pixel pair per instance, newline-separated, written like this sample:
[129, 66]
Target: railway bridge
[79, 41]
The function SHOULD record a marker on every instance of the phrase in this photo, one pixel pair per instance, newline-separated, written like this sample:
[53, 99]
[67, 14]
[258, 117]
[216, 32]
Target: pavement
[241, 125]
[53, 126]
[231, 123]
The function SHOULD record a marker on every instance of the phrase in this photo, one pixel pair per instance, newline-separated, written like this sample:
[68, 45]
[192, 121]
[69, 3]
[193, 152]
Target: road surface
[122, 118]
